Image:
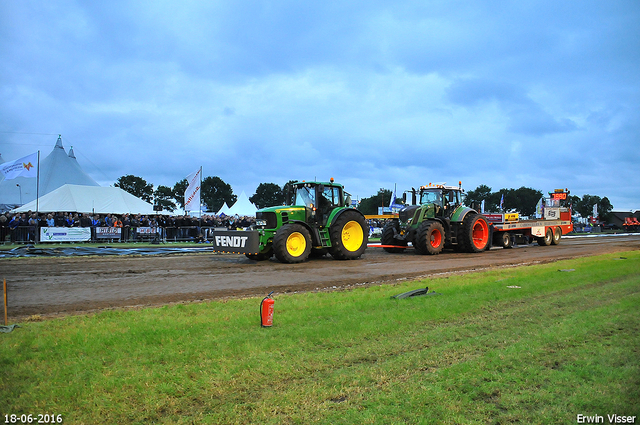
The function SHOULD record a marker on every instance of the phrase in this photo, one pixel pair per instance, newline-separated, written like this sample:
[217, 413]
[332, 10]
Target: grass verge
[532, 345]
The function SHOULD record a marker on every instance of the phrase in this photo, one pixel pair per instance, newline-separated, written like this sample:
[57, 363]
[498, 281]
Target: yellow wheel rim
[296, 244]
[352, 236]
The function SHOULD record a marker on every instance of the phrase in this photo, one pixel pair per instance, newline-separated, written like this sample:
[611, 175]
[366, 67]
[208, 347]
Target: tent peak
[71, 154]
[59, 142]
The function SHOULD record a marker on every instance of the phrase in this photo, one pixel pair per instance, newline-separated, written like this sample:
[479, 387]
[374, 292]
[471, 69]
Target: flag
[539, 209]
[595, 210]
[502, 201]
[23, 167]
[392, 203]
[482, 207]
[192, 194]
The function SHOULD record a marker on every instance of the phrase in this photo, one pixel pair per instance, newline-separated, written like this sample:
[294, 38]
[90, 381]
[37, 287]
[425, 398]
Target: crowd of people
[26, 225]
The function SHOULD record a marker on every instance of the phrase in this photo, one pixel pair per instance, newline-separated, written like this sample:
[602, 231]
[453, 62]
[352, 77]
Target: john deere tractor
[438, 221]
[318, 221]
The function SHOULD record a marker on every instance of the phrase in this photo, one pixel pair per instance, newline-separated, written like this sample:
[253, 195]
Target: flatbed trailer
[509, 230]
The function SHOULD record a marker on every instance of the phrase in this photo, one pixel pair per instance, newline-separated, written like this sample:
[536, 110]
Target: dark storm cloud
[371, 93]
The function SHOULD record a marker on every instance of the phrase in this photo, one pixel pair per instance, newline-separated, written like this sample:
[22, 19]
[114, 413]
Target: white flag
[192, 194]
[23, 167]
[595, 210]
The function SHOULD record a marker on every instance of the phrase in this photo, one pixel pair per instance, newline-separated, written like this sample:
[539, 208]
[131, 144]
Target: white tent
[242, 207]
[89, 199]
[56, 169]
[224, 210]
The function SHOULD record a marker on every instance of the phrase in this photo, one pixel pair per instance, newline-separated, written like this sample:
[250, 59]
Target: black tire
[557, 235]
[546, 240]
[389, 230]
[349, 235]
[475, 235]
[430, 238]
[292, 243]
[260, 256]
[505, 240]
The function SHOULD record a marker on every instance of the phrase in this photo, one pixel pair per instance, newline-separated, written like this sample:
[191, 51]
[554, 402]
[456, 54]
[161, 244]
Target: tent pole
[38, 183]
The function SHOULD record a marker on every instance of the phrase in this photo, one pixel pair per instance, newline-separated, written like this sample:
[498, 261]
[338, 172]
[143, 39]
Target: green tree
[215, 192]
[136, 186]
[267, 195]
[474, 198]
[164, 198]
[524, 200]
[369, 206]
[178, 191]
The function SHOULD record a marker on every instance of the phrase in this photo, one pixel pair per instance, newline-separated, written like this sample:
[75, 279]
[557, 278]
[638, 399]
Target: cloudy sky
[542, 94]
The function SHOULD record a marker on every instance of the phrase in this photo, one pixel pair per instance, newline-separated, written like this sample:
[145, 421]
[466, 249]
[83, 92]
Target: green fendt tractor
[439, 221]
[319, 220]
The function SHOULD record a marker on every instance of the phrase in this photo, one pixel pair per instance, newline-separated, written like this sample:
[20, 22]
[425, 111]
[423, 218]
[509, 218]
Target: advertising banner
[108, 232]
[147, 230]
[65, 234]
[236, 241]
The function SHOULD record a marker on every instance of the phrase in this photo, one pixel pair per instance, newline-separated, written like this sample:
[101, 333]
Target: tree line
[215, 193]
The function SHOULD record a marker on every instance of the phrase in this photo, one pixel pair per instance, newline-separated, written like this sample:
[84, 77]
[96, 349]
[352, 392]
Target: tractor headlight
[262, 223]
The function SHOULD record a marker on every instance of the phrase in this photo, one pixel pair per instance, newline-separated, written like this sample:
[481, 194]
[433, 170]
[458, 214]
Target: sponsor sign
[236, 241]
[108, 232]
[538, 231]
[65, 234]
[147, 230]
[552, 213]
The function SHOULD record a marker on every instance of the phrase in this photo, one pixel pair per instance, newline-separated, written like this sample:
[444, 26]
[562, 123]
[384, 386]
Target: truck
[508, 229]
[440, 220]
[316, 219]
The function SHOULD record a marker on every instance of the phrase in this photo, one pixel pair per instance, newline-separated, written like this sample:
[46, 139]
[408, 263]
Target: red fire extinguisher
[266, 311]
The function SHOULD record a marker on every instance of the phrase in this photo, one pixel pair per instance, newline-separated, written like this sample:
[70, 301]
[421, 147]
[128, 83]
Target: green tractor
[318, 221]
[439, 221]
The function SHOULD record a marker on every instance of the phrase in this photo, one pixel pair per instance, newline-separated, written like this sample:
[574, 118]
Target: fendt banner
[236, 241]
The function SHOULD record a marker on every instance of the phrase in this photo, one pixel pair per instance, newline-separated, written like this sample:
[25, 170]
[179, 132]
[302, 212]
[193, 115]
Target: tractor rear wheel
[349, 236]
[546, 239]
[557, 234]
[429, 238]
[389, 230]
[475, 236]
[292, 243]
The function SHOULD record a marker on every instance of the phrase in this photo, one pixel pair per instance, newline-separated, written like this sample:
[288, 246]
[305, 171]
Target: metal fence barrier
[30, 234]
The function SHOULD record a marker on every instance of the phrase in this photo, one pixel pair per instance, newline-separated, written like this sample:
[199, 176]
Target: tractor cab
[444, 199]
[319, 198]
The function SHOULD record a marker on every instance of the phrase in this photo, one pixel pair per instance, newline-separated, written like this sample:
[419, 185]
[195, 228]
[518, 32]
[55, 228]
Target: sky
[376, 94]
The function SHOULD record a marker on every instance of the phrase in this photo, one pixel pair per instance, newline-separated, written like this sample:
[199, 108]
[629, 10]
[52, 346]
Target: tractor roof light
[331, 179]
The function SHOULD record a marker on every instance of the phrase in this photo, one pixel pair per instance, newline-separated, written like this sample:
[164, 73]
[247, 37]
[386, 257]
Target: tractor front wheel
[292, 243]
[429, 238]
[349, 236]
[391, 244]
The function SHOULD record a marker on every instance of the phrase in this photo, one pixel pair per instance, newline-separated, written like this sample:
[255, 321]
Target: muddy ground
[52, 286]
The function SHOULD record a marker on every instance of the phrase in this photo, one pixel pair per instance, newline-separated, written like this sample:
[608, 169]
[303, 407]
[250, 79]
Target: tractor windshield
[306, 196]
[431, 196]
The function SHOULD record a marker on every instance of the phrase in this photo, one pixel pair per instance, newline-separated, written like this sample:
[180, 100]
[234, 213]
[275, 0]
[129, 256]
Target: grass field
[536, 344]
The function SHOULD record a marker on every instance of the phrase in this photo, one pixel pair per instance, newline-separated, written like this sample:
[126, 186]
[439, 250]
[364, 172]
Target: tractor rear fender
[460, 213]
[337, 212]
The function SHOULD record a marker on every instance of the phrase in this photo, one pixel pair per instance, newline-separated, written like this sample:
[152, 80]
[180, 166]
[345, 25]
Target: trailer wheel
[429, 238]
[349, 236]
[557, 234]
[546, 240]
[475, 233]
[506, 240]
[387, 238]
[292, 243]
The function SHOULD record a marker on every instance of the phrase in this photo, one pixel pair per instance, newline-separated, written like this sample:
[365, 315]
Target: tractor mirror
[347, 201]
[321, 187]
[404, 198]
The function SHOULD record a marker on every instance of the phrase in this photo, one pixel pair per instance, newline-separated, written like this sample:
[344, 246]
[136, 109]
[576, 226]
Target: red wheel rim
[480, 234]
[436, 238]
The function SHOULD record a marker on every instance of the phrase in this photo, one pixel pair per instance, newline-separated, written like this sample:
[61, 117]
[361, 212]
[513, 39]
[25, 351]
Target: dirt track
[78, 284]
